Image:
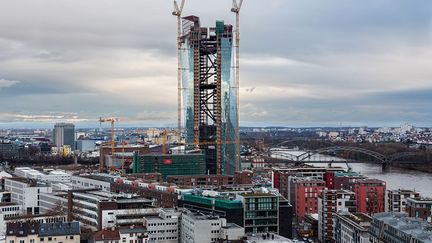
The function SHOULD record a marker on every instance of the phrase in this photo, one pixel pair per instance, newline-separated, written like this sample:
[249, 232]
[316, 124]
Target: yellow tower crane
[112, 120]
[164, 136]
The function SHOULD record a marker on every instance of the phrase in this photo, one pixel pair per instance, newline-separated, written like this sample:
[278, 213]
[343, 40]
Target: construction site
[208, 102]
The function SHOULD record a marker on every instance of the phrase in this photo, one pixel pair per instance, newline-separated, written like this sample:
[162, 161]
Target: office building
[64, 134]
[163, 227]
[43, 176]
[393, 227]
[53, 202]
[397, 199]
[197, 227]
[94, 181]
[249, 209]
[209, 93]
[351, 227]
[99, 210]
[265, 211]
[170, 164]
[25, 192]
[229, 206]
[329, 203]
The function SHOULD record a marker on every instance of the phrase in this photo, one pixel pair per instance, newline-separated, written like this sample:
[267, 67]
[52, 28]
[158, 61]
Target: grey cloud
[303, 61]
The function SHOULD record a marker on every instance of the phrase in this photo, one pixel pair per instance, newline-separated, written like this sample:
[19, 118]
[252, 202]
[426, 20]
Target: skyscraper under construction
[209, 92]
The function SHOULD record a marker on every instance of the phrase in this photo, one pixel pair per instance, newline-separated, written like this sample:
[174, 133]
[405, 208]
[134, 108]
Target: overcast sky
[304, 62]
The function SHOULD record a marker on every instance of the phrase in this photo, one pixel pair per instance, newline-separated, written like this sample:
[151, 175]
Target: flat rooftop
[232, 226]
[200, 216]
[31, 183]
[358, 218]
[412, 226]
[259, 238]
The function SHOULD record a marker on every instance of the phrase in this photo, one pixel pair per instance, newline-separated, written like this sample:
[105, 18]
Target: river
[396, 178]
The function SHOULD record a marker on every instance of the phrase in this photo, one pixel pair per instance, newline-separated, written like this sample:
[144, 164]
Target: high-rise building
[370, 195]
[209, 93]
[397, 199]
[306, 196]
[331, 202]
[64, 134]
[256, 211]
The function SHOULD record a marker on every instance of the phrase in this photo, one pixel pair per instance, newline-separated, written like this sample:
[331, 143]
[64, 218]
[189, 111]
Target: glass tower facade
[209, 93]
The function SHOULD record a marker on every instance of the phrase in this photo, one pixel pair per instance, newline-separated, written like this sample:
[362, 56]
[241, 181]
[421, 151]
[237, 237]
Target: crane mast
[178, 12]
[236, 9]
[111, 120]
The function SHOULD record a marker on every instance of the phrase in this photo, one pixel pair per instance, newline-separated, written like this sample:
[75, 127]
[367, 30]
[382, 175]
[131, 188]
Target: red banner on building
[167, 161]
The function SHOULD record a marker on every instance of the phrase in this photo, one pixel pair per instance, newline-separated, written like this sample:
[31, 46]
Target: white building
[7, 210]
[98, 210]
[53, 201]
[331, 202]
[397, 199]
[134, 234]
[197, 227]
[102, 182]
[163, 228]
[47, 176]
[26, 193]
[351, 228]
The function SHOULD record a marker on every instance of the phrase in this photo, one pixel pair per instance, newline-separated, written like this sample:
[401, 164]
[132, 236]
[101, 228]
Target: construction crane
[164, 136]
[112, 120]
[178, 12]
[236, 6]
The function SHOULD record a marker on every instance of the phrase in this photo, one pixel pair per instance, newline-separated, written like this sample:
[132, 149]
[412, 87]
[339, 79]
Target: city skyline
[303, 64]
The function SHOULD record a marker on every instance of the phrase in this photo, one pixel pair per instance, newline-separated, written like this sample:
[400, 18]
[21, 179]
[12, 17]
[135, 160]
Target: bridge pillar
[385, 166]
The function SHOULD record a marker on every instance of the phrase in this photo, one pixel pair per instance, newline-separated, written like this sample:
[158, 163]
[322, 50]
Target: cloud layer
[303, 62]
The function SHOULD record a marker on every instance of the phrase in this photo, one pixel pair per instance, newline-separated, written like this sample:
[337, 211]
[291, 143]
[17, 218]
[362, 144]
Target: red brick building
[370, 195]
[306, 195]
[243, 177]
[419, 208]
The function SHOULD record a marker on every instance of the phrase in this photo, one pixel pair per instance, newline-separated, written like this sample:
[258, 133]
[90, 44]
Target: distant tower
[209, 92]
[64, 134]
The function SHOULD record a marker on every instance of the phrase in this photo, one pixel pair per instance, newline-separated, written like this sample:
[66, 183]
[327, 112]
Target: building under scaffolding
[209, 92]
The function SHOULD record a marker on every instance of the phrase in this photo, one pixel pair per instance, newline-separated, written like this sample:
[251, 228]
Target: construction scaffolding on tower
[209, 93]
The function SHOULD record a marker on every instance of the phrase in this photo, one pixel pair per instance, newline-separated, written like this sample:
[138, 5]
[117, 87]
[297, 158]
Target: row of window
[10, 209]
[161, 224]
[164, 238]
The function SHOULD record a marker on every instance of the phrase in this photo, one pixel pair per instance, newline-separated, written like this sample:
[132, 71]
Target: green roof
[212, 201]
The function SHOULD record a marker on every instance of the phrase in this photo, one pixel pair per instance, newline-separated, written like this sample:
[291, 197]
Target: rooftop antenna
[236, 6]
[178, 12]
